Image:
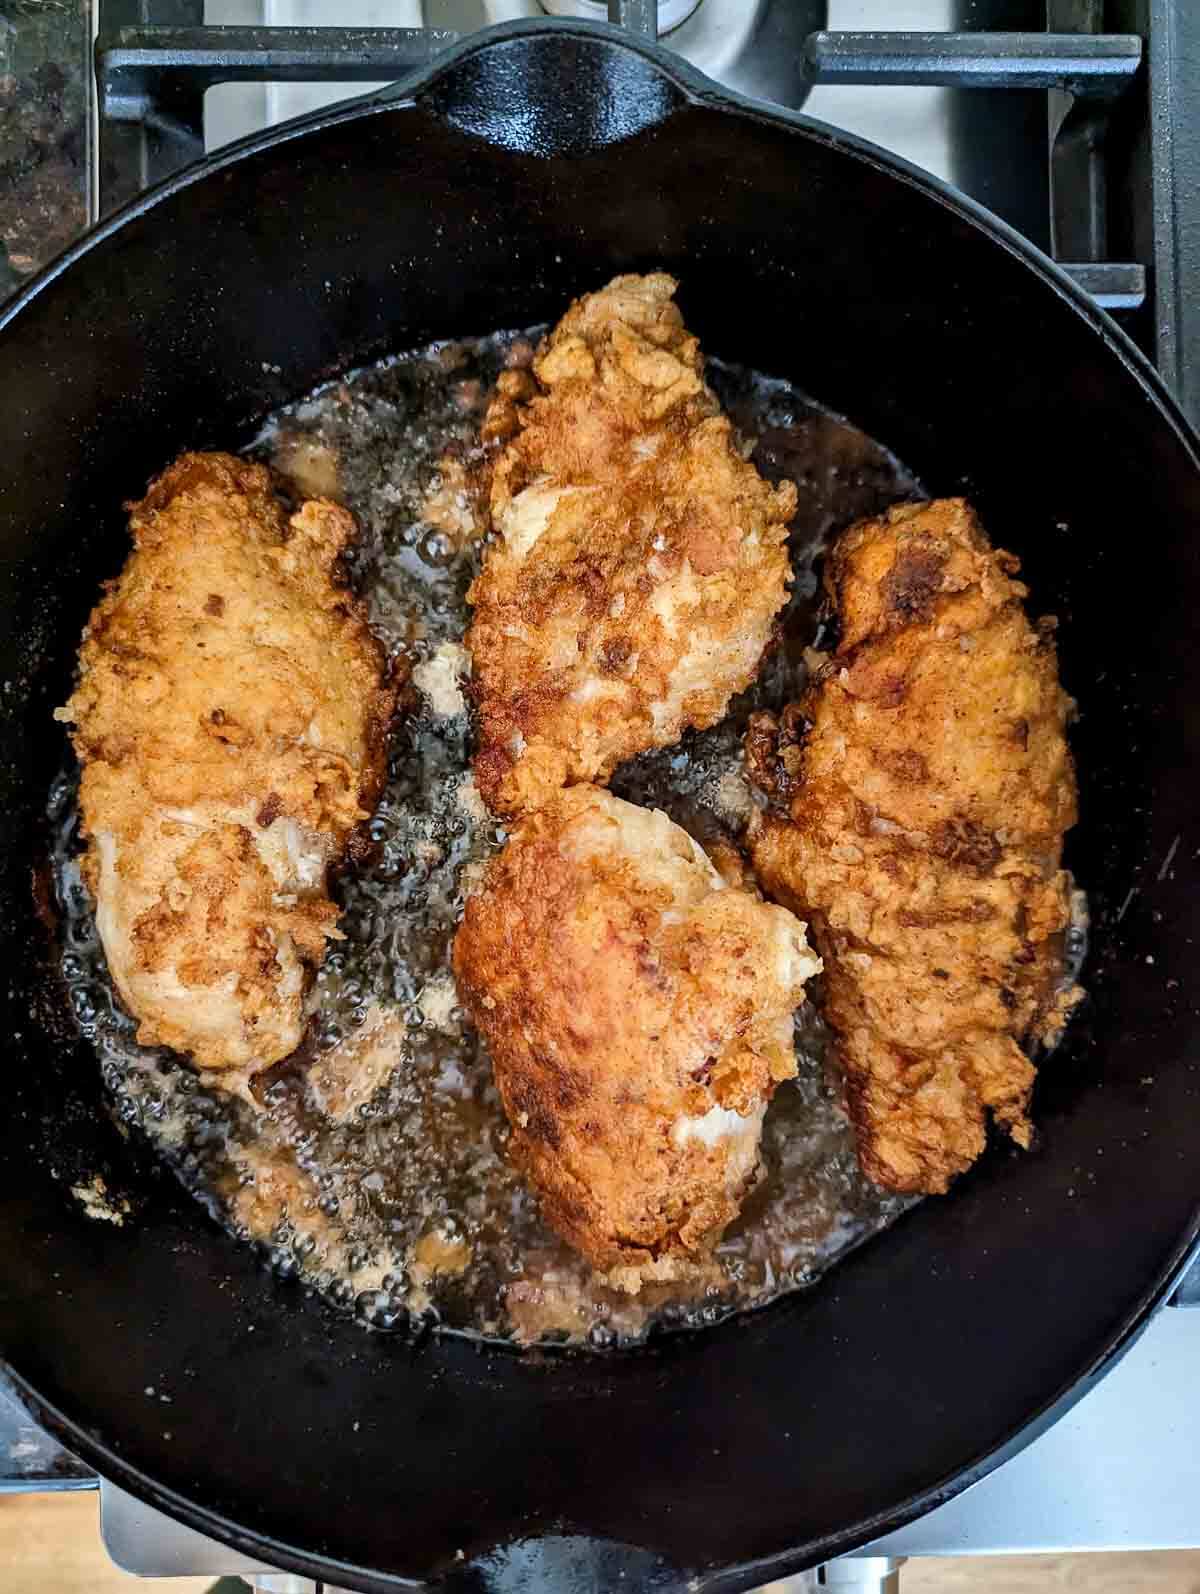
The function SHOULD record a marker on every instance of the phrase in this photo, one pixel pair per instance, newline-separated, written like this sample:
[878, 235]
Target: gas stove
[1072, 119]
[1066, 117]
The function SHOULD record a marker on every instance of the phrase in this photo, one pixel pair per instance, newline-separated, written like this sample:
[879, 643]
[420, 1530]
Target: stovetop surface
[992, 145]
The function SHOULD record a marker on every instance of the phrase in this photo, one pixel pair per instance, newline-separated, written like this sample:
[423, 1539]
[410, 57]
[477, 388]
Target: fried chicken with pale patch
[638, 560]
[927, 785]
[639, 1016]
[230, 720]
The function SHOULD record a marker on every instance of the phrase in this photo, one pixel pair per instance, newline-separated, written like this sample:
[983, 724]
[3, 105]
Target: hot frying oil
[373, 1164]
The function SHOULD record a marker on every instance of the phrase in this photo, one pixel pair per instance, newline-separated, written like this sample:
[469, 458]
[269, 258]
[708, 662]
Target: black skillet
[524, 167]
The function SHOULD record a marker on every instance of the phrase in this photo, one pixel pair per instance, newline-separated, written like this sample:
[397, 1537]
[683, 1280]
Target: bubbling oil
[372, 1164]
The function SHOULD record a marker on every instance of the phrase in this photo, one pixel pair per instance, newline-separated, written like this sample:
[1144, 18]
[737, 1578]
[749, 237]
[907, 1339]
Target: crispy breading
[639, 1016]
[638, 563]
[231, 719]
[928, 785]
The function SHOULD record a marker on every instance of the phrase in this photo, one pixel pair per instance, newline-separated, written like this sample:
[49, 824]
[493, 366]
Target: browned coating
[927, 785]
[639, 560]
[231, 719]
[625, 992]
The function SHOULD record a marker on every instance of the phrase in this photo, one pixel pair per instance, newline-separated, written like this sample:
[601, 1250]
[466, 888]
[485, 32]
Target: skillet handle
[552, 89]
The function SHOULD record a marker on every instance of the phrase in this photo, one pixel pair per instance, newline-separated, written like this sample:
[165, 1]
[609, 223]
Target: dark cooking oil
[373, 1164]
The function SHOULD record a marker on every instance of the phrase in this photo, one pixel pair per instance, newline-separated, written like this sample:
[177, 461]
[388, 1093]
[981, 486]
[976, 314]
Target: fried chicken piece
[928, 784]
[638, 563]
[230, 718]
[639, 1016]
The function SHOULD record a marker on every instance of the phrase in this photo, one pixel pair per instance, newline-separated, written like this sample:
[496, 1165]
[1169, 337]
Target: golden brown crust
[639, 561]
[625, 993]
[231, 719]
[928, 787]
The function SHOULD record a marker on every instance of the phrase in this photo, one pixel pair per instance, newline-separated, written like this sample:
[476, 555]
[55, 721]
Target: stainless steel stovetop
[955, 134]
[1122, 1469]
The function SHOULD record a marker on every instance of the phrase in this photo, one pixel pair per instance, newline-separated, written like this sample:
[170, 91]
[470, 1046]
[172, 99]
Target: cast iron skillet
[522, 169]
